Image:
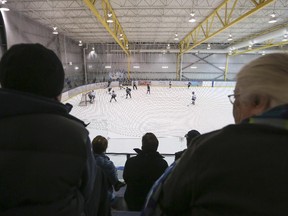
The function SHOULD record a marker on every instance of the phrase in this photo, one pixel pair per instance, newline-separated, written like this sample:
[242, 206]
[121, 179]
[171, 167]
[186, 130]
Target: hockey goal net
[84, 100]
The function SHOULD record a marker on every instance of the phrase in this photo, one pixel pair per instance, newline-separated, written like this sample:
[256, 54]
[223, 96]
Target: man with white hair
[242, 168]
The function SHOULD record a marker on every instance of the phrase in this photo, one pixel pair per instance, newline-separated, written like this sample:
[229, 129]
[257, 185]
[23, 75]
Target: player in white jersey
[113, 96]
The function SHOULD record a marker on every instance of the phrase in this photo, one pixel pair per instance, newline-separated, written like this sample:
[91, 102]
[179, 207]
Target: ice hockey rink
[166, 112]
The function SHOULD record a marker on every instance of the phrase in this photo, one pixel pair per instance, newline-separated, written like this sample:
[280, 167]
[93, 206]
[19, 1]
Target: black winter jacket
[45, 162]
[140, 173]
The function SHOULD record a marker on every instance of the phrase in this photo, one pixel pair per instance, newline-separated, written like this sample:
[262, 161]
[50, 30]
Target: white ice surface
[166, 112]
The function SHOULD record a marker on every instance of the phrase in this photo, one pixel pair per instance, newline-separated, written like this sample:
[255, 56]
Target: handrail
[128, 155]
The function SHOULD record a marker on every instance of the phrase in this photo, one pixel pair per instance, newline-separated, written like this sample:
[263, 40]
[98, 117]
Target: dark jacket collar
[142, 153]
[13, 103]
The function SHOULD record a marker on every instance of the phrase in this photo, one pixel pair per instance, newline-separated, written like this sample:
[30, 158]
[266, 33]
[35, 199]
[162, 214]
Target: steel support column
[226, 67]
[179, 66]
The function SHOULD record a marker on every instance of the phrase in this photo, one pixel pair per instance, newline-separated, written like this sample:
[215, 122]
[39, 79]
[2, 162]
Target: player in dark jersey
[193, 98]
[109, 90]
[134, 85]
[189, 84]
[148, 88]
[128, 92]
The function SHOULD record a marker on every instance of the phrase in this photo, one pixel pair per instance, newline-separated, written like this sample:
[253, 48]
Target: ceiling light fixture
[80, 43]
[109, 19]
[192, 19]
[230, 38]
[121, 37]
[208, 46]
[285, 37]
[3, 6]
[55, 32]
[176, 37]
[273, 18]
[168, 46]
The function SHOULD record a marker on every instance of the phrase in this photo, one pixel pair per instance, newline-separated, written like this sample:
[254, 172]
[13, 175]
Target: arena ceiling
[150, 25]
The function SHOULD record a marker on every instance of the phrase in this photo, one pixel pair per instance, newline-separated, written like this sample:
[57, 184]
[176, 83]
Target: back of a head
[32, 68]
[149, 142]
[191, 135]
[267, 75]
[99, 144]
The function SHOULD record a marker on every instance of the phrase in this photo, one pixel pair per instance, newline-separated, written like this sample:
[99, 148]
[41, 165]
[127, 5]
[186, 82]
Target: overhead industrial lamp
[192, 19]
[3, 6]
[208, 46]
[55, 32]
[109, 20]
[230, 38]
[285, 37]
[273, 18]
[176, 37]
[121, 37]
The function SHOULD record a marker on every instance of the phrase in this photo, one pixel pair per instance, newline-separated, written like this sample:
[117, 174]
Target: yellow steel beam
[128, 67]
[115, 30]
[223, 16]
[178, 66]
[226, 67]
[258, 48]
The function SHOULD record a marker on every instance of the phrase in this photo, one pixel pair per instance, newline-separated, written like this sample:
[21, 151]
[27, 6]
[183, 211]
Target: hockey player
[193, 98]
[134, 85]
[128, 92]
[91, 96]
[121, 86]
[109, 90]
[148, 88]
[189, 84]
[113, 96]
[170, 84]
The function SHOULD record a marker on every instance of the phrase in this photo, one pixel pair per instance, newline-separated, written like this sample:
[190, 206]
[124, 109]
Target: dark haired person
[148, 88]
[99, 145]
[189, 136]
[47, 167]
[128, 92]
[141, 171]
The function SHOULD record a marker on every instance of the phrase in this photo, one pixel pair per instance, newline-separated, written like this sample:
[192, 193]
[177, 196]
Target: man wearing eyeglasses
[241, 169]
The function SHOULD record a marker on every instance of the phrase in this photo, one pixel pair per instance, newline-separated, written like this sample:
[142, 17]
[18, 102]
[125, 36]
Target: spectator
[141, 171]
[47, 167]
[100, 145]
[189, 136]
[242, 168]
